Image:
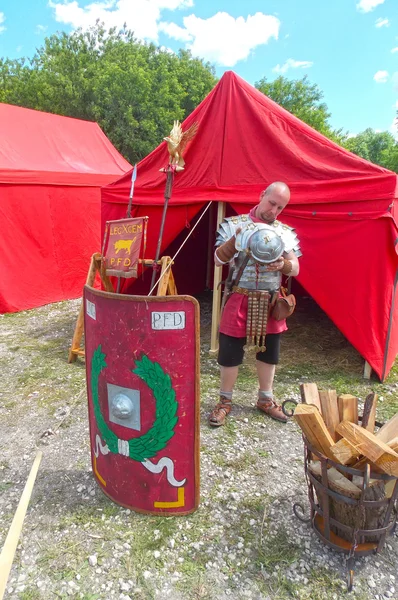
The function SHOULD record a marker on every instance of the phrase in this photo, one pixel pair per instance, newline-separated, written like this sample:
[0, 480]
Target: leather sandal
[272, 409]
[218, 415]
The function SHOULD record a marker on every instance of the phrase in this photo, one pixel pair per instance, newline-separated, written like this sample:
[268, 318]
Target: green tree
[378, 147]
[304, 100]
[132, 89]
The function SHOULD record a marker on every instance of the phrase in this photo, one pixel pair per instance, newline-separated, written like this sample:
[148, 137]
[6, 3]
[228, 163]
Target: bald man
[257, 281]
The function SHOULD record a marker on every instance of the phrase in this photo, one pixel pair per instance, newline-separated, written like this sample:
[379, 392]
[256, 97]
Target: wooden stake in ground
[11, 543]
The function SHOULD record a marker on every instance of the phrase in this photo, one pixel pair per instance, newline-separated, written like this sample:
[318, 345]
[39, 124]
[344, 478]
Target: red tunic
[233, 320]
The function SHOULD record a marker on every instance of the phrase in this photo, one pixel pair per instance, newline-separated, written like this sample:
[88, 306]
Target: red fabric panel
[47, 238]
[343, 206]
[349, 268]
[391, 350]
[38, 147]
[244, 142]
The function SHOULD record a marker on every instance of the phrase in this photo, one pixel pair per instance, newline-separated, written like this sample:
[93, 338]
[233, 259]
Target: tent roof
[38, 147]
[244, 142]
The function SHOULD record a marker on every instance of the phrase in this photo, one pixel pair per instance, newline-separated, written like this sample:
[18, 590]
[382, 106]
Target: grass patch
[277, 549]
[30, 594]
[241, 463]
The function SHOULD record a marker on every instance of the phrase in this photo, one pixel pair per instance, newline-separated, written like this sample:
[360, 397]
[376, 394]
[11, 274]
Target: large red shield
[142, 365]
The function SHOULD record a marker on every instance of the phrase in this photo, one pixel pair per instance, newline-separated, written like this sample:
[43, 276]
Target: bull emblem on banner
[124, 245]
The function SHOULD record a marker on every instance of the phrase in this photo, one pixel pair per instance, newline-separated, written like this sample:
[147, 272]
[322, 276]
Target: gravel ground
[243, 542]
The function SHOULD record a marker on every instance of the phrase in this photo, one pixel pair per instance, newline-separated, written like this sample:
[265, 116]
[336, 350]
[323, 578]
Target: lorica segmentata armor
[255, 275]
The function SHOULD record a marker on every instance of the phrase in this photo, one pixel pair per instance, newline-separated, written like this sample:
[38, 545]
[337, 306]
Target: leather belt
[246, 292]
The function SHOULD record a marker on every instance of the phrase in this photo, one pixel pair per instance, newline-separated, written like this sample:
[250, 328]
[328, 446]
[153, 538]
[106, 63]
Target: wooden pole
[167, 196]
[11, 543]
[216, 289]
[210, 249]
[367, 370]
[78, 334]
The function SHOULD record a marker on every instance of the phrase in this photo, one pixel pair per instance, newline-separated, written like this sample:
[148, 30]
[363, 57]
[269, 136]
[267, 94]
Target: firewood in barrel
[389, 430]
[370, 446]
[310, 395]
[348, 408]
[369, 412]
[311, 423]
[361, 464]
[330, 411]
[345, 453]
[354, 516]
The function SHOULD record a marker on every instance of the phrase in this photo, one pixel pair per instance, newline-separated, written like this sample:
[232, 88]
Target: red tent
[51, 172]
[342, 207]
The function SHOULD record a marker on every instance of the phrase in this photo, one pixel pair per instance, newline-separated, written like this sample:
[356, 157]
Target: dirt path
[243, 542]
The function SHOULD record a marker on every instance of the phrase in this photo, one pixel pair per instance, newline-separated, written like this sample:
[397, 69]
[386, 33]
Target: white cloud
[292, 64]
[368, 5]
[394, 50]
[222, 38]
[142, 17]
[381, 76]
[382, 22]
[176, 32]
[40, 29]
[2, 19]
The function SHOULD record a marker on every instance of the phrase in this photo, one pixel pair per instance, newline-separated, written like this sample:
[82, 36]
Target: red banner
[142, 364]
[122, 243]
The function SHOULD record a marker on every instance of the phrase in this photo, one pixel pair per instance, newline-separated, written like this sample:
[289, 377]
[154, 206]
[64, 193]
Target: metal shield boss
[264, 244]
[142, 365]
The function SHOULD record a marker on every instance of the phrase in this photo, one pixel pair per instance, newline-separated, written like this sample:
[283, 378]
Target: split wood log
[389, 430]
[330, 411]
[345, 453]
[369, 412]
[348, 408]
[311, 423]
[310, 395]
[355, 516]
[364, 461]
[370, 446]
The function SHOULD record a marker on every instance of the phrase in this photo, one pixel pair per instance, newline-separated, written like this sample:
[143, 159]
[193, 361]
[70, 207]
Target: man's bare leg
[266, 403]
[228, 376]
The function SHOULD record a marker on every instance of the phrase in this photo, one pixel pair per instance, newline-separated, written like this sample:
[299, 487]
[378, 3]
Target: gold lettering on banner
[120, 229]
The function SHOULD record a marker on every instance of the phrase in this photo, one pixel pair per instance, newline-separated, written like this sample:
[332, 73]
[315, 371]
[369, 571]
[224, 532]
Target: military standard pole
[167, 196]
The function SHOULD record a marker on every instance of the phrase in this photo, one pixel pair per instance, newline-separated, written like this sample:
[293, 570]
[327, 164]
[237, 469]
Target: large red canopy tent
[342, 207]
[51, 172]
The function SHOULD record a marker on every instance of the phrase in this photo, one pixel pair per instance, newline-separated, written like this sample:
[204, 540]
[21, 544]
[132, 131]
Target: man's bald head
[279, 188]
[272, 201]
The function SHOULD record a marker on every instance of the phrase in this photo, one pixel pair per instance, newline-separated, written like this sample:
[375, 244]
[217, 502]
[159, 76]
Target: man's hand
[277, 265]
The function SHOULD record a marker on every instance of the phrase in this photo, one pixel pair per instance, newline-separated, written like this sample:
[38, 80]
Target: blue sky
[349, 48]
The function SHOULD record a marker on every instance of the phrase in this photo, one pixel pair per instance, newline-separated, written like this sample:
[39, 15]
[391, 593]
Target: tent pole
[367, 370]
[210, 246]
[215, 319]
